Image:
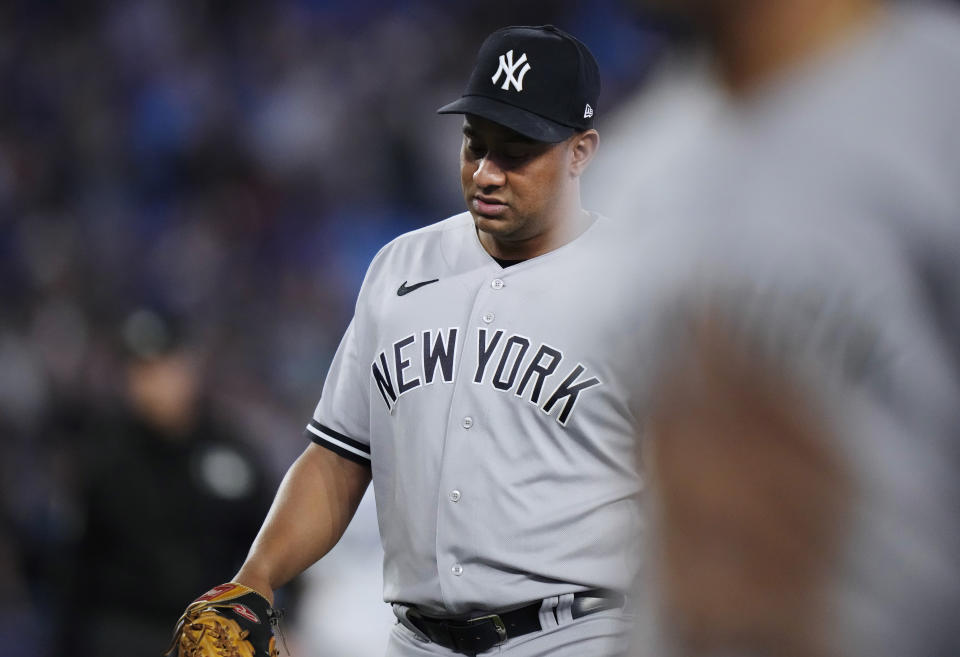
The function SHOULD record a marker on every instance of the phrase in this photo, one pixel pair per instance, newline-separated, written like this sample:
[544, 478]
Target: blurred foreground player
[794, 187]
[475, 386]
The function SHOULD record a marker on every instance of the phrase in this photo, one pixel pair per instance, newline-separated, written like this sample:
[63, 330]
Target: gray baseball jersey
[494, 413]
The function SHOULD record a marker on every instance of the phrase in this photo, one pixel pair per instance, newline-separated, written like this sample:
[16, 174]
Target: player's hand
[230, 619]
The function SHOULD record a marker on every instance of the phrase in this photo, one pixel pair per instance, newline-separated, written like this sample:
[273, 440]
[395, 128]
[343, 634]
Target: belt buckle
[497, 624]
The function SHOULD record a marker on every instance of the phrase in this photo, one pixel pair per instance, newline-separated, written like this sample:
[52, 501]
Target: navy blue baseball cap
[538, 81]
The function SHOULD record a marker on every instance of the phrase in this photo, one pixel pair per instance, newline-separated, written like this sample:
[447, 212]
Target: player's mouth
[488, 206]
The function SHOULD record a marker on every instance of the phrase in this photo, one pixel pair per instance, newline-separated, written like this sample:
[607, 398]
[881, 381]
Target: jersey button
[488, 317]
[454, 496]
[457, 570]
[496, 283]
[467, 422]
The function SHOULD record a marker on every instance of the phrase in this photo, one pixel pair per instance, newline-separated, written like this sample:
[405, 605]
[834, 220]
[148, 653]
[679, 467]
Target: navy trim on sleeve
[338, 443]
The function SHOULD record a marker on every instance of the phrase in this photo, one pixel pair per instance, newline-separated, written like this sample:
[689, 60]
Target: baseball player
[797, 204]
[477, 387]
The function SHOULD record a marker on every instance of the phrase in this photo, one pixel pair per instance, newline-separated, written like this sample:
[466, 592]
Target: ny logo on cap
[509, 67]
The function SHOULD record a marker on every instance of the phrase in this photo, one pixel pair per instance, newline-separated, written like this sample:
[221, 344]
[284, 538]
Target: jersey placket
[458, 533]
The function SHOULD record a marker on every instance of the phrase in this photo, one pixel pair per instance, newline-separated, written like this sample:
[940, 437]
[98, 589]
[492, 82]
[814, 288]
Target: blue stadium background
[209, 178]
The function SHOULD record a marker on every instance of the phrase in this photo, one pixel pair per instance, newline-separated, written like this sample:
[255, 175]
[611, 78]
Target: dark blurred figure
[791, 181]
[167, 497]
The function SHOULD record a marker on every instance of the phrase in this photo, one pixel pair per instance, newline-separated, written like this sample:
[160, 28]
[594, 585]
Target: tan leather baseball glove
[230, 620]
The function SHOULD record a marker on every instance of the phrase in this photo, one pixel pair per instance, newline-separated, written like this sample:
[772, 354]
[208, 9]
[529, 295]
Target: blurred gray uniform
[822, 215]
[496, 422]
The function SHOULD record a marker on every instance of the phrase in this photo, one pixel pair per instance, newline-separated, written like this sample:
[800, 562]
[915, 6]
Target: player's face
[514, 187]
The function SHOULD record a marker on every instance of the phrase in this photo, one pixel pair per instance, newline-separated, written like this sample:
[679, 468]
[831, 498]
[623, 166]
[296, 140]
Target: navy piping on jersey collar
[507, 263]
[338, 443]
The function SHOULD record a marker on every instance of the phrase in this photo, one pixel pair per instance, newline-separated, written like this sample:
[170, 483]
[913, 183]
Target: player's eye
[516, 154]
[474, 149]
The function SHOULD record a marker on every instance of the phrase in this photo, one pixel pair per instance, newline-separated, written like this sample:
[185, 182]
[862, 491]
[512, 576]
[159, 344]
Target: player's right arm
[315, 502]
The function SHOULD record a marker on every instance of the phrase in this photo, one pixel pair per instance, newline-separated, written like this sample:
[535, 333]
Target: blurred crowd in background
[189, 196]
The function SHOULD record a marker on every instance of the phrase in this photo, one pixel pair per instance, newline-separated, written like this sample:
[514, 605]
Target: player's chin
[494, 224]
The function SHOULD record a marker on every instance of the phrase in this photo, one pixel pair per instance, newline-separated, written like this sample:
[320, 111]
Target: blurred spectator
[166, 497]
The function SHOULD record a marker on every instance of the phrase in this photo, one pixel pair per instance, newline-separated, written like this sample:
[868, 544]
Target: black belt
[472, 635]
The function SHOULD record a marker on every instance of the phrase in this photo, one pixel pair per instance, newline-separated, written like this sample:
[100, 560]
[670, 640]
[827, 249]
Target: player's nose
[488, 173]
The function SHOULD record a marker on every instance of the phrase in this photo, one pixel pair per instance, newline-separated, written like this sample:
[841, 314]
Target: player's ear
[583, 146]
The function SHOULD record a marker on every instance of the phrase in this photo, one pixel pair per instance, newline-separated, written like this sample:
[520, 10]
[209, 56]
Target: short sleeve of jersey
[342, 418]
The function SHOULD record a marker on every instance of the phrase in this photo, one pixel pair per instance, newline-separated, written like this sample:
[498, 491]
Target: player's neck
[574, 223]
[766, 37]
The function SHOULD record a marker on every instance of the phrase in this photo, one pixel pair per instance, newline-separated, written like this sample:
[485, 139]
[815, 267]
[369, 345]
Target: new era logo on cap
[538, 81]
